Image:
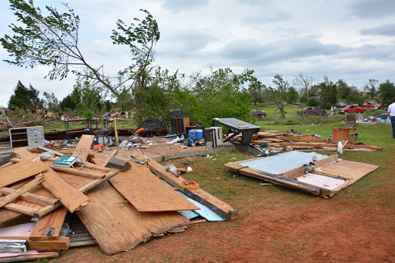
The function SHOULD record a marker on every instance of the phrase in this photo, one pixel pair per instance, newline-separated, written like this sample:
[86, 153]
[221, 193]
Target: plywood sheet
[117, 227]
[147, 193]
[348, 169]
[20, 171]
[84, 146]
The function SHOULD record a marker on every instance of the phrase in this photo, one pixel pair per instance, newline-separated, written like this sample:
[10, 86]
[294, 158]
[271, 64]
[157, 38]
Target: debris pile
[274, 141]
[120, 201]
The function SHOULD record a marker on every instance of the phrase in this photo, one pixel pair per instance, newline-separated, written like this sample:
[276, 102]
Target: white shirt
[391, 109]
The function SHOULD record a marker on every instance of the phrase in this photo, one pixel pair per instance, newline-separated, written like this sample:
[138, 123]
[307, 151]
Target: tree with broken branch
[53, 40]
[277, 93]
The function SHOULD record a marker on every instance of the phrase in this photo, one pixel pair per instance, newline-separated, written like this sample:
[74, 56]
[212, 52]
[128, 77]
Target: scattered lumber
[15, 194]
[120, 228]
[217, 206]
[17, 172]
[53, 221]
[147, 193]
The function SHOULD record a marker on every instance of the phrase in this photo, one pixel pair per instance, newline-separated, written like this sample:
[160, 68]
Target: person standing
[391, 116]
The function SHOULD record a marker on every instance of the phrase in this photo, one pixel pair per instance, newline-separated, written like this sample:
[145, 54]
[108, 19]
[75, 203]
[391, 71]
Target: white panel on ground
[324, 181]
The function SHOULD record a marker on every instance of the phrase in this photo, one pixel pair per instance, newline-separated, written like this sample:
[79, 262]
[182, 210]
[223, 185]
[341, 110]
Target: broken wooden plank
[216, 205]
[15, 194]
[43, 227]
[103, 161]
[117, 229]
[69, 196]
[147, 193]
[21, 209]
[84, 146]
[25, 169]
[85, 173]
[32, 198]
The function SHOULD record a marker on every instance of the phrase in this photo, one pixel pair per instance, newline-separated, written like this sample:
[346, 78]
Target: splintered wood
[147, 193]
[118, 227]
[132, 207]
[69, 196]
[218, 206]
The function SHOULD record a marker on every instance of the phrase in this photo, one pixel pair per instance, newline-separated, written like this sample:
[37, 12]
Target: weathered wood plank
[32, 198]
[21, 209]
[120, 228]
[15, 194]
[216, 205]
[104, 162]
[25, 169]
[147, 193]
[69, 196]
[84, 146]
[53, 220]
[85, 173]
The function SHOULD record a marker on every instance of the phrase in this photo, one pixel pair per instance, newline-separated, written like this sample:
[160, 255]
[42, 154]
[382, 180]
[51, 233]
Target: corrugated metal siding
[283, 162]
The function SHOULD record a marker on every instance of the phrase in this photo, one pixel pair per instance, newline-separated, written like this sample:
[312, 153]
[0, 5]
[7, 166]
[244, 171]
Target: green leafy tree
[327, 93]
[292, 95]
[53, 41]
[221, 94]
[25, 98]
[350, 94]
[281, 86]
[387, 93]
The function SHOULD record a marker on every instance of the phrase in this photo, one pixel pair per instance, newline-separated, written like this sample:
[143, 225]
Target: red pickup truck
[371, 104]
[354, 108]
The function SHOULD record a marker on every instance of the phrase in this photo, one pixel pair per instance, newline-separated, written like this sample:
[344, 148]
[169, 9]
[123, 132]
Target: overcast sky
[352, 40]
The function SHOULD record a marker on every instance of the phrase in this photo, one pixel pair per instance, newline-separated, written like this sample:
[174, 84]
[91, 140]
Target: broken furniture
[343, 134]
[308, 172]
[178, 123]
[27, 137]
[238, 127]
[90, 124]
[351, 120]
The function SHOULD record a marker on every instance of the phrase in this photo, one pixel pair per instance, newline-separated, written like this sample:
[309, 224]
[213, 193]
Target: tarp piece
[204, 211]
[189, 214]
[151, 124]
[283, 162]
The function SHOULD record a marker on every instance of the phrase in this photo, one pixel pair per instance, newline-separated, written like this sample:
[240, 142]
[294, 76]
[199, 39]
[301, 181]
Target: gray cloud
[184, 43]
[176, 6]
[248, 50]
[382, 30]
[371, 9]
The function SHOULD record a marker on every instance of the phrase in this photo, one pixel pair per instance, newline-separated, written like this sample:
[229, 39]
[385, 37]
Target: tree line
[52, 40]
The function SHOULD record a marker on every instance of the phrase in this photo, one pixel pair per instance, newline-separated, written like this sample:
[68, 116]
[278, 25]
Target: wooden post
[116, 132]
